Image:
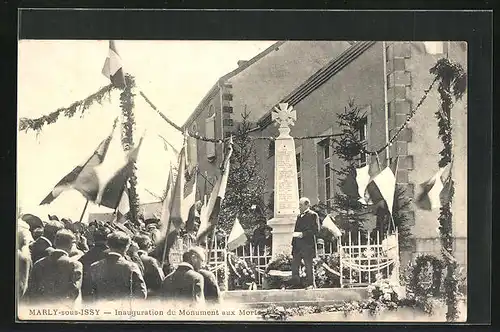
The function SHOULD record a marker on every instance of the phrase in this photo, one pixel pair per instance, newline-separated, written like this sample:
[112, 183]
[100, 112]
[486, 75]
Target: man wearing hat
[56, 277]
[115, 277]
[152, 229]
[153, 274]
[95, 254]
[185, 284]
[43, 245]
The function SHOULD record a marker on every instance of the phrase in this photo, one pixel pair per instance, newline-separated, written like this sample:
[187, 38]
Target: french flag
[113, 67]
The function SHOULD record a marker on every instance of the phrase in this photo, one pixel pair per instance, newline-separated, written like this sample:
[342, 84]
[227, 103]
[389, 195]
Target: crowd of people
[62, 261]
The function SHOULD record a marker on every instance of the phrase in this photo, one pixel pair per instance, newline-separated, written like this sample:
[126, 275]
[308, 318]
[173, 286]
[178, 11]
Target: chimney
[242, 62]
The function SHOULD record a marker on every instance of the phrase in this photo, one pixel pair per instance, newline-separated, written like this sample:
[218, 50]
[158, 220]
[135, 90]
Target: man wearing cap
[153, 274]
[306, 230]
[154, 232]
[185, 284]
[95, 254]
[43, 245]
[57, 277]
[115, 277]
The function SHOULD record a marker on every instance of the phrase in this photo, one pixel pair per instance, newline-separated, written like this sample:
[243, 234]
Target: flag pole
[84, 209]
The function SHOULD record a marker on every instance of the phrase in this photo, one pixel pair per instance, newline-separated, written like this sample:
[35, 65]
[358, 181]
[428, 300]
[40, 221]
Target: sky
[174, 75]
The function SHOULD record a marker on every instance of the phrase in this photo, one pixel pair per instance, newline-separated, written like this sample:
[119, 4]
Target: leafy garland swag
[452, 83]
[127, 138]
[80, 105]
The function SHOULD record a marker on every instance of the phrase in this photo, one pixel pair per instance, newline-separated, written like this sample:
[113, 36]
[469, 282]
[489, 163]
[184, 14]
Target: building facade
[385, 79]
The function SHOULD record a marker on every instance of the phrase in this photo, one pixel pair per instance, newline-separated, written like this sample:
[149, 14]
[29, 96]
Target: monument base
[283, 227]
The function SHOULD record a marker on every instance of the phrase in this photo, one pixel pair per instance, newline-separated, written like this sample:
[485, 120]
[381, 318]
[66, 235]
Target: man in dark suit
[185, 284]
[115, 277]
[95, 254]
[304, 242]
[153, 274]
[57, 277]
[210, 287]
[43, 245]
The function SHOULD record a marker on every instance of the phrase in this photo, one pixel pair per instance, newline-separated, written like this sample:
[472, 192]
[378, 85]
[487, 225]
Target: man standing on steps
[306, 230]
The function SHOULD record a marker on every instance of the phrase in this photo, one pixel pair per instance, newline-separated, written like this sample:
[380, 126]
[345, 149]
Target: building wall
[361, 80]
[270, 79]
[407, 70]
[408, 76]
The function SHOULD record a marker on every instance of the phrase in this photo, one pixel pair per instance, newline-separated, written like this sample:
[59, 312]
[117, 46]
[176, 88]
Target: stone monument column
[286, 189]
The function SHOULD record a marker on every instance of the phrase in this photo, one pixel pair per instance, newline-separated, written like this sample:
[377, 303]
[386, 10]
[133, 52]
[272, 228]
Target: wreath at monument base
[278, 273]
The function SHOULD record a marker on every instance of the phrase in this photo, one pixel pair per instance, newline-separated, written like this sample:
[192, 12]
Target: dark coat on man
[55, 278]
[307, 223]
[95, 254]
[184, 284]
[40, 248]
[304, 248]
[153, 274]
[210, 286]
[116, 278]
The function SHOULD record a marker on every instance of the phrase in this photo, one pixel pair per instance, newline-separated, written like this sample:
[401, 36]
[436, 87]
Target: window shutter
[210, 133]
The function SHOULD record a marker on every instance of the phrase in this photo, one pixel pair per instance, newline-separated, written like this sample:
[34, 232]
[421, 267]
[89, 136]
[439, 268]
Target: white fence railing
[361, 258]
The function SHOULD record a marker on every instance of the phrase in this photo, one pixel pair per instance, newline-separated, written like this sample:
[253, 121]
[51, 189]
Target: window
[326, 167]
[271, 149]
[210, 133]
[228, 122]
[363, 138]
[299, 173]
[227, 96]
[227, 109]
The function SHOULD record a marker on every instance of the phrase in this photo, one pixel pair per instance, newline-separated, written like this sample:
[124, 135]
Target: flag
[330, 226]
[209, 216]
[176, 206]
[382, 187]
[434, 47]
[183, 196]
[69, 180]
[237, 236]
[357, 181]
[167, 202]
[435, 191]
[113, 67]
[123, 206]
[107, 191]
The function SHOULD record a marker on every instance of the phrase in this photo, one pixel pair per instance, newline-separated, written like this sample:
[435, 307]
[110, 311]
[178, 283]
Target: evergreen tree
[351, 214]
[246, 184]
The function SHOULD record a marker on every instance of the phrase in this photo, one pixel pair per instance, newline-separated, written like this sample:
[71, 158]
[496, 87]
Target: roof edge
[320, 77]
[201, 105]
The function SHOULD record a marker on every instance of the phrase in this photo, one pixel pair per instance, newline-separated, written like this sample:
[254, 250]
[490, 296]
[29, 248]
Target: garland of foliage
[452, 83]
[127, 138]
[80, 105]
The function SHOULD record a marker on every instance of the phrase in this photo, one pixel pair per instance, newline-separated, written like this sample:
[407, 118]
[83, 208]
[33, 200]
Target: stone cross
[285, 116]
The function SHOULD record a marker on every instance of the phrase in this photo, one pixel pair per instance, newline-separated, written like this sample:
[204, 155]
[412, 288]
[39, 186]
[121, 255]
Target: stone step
[295, 297]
